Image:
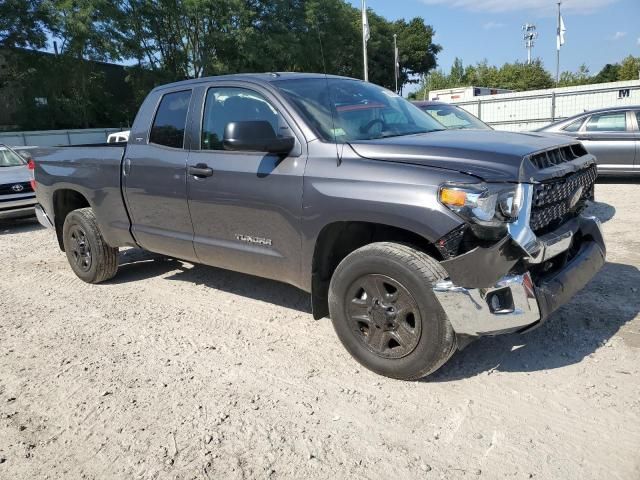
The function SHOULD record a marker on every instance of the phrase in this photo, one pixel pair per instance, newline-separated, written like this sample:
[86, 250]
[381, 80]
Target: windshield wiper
[410, 133]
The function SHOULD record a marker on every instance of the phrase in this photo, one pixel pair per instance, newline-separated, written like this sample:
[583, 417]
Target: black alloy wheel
[385, 315]
[385, 312]
[80, 248]
[89, 255]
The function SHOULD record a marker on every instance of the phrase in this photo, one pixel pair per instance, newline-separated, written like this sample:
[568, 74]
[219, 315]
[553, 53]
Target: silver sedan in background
[611, 134]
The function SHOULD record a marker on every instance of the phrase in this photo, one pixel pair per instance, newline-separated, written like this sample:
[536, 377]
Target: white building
[460, 94]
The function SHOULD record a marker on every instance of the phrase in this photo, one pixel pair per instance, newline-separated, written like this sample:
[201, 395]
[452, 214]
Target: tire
[91, 259]
[389, 332]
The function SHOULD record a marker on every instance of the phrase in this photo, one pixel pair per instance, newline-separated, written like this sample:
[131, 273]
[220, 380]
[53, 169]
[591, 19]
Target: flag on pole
[561, 32]
[365, 23]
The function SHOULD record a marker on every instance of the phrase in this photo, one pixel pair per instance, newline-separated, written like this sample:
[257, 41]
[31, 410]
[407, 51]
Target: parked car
[451, 116]
[415, 239]
[17, 198]
[118, 137]
[611, 134]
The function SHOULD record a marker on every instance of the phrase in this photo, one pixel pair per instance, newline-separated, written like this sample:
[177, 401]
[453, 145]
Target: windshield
[454, 117]
[9, 158]
[345, 110]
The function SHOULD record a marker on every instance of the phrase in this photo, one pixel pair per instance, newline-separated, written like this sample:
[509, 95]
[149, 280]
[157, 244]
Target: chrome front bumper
[521, 302]
[470, 310]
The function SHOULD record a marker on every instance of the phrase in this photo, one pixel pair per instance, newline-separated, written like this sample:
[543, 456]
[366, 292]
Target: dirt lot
[179, 371]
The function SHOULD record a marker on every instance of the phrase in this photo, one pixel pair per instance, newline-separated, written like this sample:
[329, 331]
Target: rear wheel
[91, 259]
[385, 313]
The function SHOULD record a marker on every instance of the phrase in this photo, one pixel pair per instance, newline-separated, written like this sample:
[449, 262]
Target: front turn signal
[452, 197]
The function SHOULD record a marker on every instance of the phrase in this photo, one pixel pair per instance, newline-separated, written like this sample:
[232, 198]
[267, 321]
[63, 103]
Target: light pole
[395, 59]
[529, 37]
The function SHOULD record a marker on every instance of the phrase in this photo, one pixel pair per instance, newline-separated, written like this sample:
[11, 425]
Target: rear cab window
[171, 119]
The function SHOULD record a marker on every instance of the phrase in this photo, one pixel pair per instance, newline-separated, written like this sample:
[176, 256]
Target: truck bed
[92, 171]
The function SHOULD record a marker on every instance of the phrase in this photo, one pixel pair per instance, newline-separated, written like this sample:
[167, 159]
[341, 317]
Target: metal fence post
[553, 106]
[480, 108]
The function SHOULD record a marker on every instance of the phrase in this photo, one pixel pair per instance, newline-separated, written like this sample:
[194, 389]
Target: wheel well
[339, 239]
[65, 202]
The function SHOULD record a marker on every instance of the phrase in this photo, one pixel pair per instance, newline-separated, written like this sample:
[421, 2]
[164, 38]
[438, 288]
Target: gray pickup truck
[414, 239]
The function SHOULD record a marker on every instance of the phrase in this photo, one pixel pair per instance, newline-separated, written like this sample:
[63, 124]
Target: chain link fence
[52, 138]
[525, 111]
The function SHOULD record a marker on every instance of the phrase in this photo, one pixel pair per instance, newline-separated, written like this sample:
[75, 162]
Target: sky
[598, 31]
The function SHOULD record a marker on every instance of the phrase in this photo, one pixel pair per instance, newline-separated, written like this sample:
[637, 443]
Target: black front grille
[552, 200]
[557, 156]
[7, 188]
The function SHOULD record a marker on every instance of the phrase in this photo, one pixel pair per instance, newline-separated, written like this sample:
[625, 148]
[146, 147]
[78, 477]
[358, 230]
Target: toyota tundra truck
[413, 239]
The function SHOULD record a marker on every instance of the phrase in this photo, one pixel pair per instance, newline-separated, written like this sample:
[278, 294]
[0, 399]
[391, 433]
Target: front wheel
[385, 313]
[91, 259]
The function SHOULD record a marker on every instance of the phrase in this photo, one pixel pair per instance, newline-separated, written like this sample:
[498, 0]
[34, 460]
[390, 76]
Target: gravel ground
[174, 370]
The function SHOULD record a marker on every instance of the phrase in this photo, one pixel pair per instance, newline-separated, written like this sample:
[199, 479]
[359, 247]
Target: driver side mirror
[255, 136]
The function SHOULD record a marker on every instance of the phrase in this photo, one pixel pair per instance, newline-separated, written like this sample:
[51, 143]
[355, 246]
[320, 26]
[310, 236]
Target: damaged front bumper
[481, 297]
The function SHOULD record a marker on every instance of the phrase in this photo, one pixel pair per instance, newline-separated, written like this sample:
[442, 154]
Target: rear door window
[171, 119]
[638, 118]
[608, 122]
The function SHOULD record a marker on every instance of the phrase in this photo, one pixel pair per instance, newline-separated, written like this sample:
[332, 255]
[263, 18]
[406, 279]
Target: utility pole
[424, 95]
[529, 37]
[395, 59]
[365, 39]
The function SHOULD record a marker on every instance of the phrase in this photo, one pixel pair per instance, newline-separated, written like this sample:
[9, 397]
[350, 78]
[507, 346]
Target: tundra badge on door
[256, 240]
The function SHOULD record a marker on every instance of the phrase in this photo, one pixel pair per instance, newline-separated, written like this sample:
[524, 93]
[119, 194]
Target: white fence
[530, 110]
[51, 138]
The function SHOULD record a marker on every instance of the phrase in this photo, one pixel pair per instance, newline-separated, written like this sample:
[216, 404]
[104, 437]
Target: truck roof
[263, 78]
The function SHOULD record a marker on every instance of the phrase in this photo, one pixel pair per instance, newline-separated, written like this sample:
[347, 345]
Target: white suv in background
[118, 137]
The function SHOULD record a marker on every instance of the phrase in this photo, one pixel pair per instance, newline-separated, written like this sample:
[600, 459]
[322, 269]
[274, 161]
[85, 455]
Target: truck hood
[491, 155]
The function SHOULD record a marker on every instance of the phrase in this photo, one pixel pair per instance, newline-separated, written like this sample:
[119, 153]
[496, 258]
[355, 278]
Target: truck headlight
[485, 204]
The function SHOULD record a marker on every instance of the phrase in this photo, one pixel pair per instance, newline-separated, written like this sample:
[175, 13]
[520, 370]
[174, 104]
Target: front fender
[391, 194]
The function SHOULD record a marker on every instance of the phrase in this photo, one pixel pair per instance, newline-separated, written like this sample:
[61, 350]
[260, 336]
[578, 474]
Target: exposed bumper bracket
[43, 218]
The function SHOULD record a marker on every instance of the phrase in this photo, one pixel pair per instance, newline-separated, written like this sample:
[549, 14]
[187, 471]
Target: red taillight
[31, 165]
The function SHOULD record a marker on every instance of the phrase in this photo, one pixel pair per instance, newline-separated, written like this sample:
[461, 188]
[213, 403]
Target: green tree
[629, 69]
[23, 23]
[609, 73]
[418, 53]
[521, 76]
[457, 74]
[581, 77]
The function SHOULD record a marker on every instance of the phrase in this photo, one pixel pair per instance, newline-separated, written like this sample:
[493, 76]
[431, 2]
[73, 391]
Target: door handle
[200, 170]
